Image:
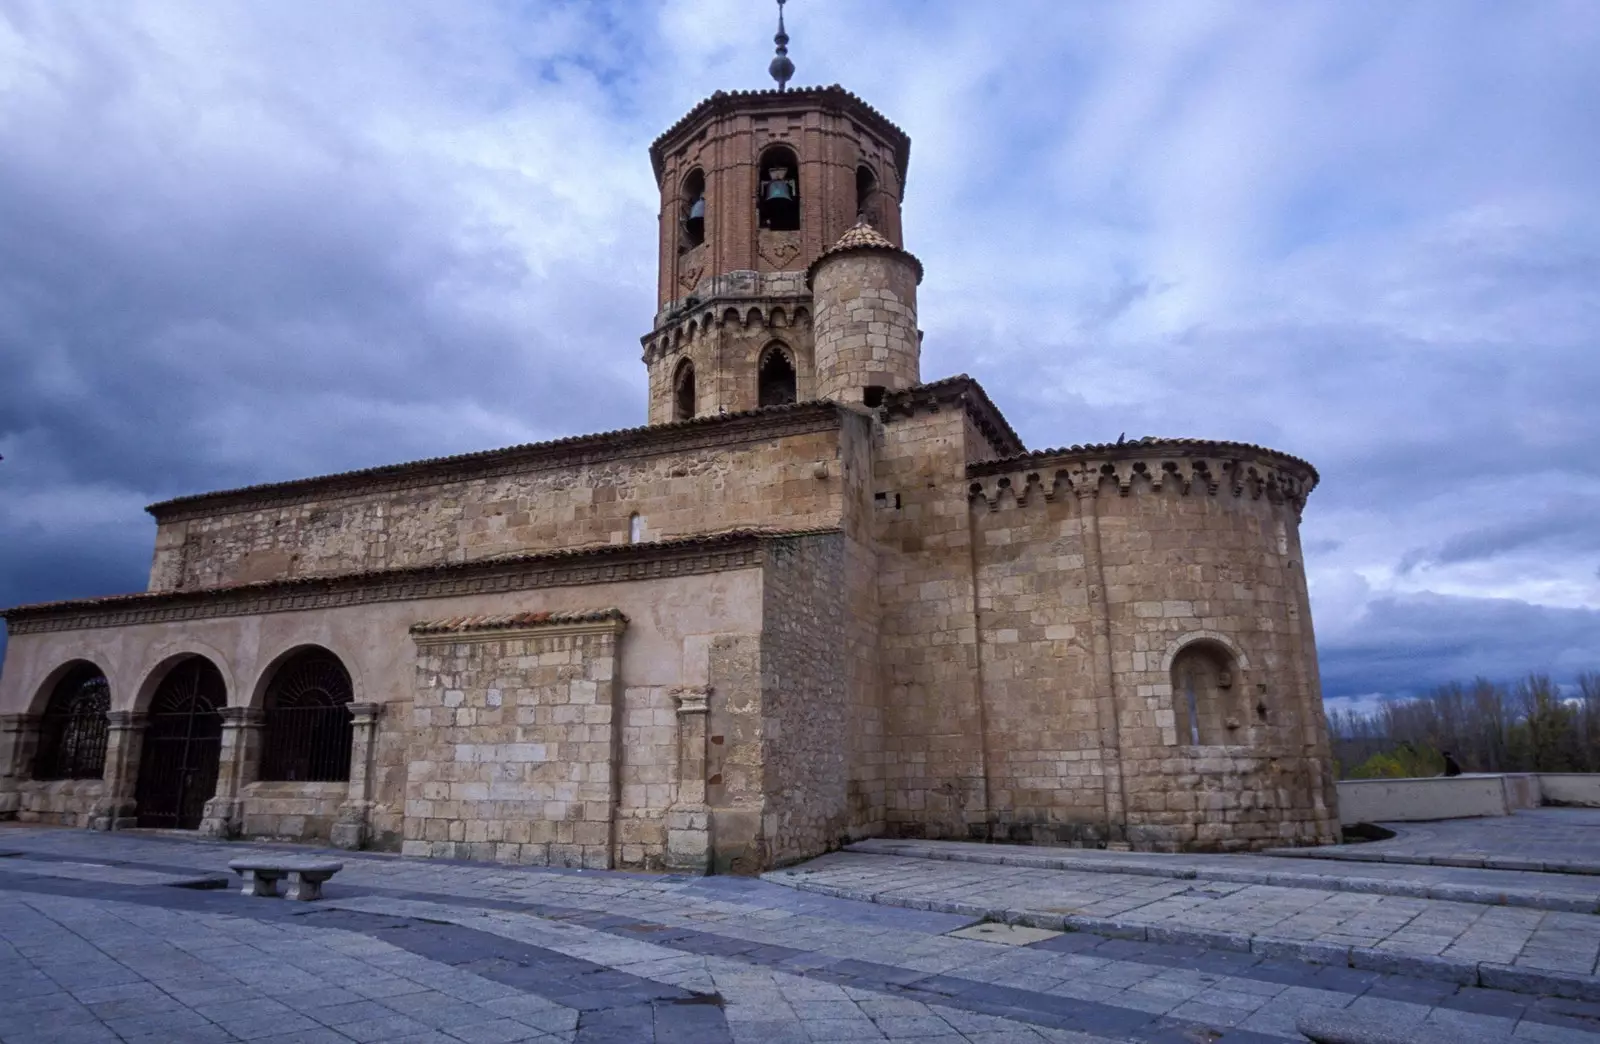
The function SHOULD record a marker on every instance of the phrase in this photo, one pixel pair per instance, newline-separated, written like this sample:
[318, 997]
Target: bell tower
[756, 186]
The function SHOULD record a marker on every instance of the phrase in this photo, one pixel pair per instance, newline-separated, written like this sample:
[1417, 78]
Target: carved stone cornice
[1193, 466]
[958, 392]
[612, 563]
[365, 713]
[675, 330]
[829, 99]
[691, 699]
[701, 433]
[514, 626]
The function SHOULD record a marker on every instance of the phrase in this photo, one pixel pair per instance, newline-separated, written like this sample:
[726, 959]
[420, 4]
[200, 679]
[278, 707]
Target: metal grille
[182, 746]
[73, 732]
[308, 726]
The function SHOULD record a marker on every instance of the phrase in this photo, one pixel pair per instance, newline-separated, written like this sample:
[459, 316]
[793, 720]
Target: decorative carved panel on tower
[690, 269]
[778, 250]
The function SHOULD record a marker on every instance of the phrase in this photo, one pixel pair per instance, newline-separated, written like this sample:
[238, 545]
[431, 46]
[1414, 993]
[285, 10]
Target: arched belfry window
[1203, 694]
[778, 199]
[866, 195]
[307, 732]
[683, 401]
[776, 377]
[692, 211]
[73, 731]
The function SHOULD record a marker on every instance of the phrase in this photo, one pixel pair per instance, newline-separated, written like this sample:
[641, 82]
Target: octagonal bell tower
[755, 186]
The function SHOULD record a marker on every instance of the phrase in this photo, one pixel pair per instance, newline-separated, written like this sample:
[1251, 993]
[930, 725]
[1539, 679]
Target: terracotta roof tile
[862, 236]
[509, 621]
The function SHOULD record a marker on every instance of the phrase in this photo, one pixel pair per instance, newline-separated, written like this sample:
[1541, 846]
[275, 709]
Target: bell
[778, 184]
[697, 209]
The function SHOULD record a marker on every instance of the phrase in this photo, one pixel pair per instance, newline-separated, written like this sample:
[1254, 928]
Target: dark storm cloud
[1408, 644]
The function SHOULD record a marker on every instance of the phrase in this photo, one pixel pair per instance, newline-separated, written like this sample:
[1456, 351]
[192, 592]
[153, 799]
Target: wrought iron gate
[182, 747]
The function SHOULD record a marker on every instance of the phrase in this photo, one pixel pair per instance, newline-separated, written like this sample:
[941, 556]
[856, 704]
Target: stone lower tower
[866, 339]
[755, 186]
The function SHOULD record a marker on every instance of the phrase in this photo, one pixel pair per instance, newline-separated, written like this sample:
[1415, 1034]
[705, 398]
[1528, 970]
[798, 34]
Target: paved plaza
[132, 937]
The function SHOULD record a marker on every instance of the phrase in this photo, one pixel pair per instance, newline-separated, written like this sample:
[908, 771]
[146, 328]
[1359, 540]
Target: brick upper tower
[755, 186]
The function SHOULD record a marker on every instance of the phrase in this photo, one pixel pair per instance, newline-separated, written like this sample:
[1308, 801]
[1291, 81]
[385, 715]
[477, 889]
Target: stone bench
[261, 874]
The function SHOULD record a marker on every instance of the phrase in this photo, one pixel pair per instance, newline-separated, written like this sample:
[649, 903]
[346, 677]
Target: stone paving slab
[1473, 944]
[1548, 840]
[1540, 891]
[439, 951]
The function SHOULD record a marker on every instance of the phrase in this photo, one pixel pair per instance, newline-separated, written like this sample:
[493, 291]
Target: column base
[10, 804]
[689, 840]
[351, 831]
[112, 814]
[223, 819]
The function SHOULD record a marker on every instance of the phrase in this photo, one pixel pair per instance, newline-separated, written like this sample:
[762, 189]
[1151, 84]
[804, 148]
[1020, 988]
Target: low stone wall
[296, 811]
[1570, 788]
[1444, 797]
[58, 802]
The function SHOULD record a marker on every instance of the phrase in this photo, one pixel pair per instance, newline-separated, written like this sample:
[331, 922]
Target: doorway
[182, 746]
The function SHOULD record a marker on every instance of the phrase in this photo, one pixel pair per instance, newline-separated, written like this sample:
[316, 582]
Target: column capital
[127, 719]
[18, 722]
[692, 699]
[365, 713]
[242, 717]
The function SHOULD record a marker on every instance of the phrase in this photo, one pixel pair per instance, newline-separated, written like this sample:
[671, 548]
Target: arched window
[308, 727]
[72, 733]
[776, 379]
[692, 211]
[778, 200]
[1203, 676]
[866, 195]
[683, 401]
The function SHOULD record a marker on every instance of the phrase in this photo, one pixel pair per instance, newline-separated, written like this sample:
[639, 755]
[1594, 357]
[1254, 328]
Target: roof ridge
[487, 455]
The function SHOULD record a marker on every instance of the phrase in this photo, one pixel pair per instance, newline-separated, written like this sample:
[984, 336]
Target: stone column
[689, 819]
[239, 763]
[1088, 491]
[354, 829]
[125, 739]
[19, 742]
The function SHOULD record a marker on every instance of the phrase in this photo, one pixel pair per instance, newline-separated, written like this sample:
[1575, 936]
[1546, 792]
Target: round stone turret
[864, 298]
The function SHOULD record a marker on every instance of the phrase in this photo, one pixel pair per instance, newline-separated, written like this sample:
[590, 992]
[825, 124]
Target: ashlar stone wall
[517, 740]
[766, 474]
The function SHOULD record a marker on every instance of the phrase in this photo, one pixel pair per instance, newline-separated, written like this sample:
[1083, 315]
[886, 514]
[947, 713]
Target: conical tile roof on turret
[862, 236]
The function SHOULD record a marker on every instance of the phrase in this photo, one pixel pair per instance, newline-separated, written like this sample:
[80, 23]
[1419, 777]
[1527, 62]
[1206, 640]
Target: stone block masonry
[516, 749]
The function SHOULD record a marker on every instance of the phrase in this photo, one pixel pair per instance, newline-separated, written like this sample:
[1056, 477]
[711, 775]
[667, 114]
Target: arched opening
[73, 729]
[683, 394]
[866, 195]
[307, 729]
[1203, 676]
[182, 745]
[692, 211]
[776, 380]
[778, 199]
[635, 528]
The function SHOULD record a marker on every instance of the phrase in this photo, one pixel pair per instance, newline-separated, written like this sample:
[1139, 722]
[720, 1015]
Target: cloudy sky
[255, 241]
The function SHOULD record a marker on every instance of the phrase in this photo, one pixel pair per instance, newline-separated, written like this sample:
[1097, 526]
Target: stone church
[815, 598]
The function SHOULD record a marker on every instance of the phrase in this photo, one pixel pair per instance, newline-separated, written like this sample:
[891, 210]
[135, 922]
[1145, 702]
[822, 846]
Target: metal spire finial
[782, 69]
